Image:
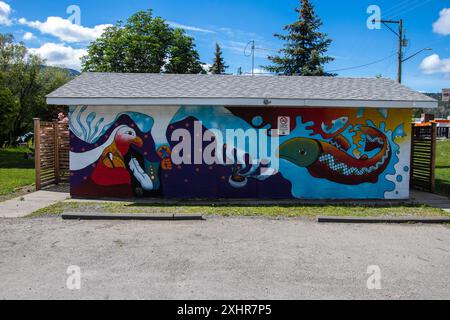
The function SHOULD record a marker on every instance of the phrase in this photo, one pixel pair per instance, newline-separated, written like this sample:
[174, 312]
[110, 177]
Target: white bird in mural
[111, 168]
[79, 161]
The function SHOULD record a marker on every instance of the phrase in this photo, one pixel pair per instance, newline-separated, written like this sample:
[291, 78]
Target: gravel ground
[222, 258]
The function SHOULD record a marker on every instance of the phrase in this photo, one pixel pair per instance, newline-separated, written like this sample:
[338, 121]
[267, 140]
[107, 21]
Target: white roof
[177, 89]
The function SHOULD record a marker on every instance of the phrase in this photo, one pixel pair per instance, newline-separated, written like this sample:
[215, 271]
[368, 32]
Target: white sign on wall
[284, 126]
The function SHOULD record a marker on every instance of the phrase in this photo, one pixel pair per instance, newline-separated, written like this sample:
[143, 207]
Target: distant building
[443, 125]
[446, 95]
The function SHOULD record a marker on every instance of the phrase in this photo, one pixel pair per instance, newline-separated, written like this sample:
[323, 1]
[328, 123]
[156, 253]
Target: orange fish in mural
[331, 161]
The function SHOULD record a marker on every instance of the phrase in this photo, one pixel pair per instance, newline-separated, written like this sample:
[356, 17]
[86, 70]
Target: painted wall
[327, 153]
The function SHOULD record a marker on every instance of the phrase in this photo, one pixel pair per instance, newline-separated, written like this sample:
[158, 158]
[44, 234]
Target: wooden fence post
[37, 152]
[56, 150]
[433, 157]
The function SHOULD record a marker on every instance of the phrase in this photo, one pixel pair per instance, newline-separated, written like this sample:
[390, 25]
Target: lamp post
[415, 54]
[407, 58]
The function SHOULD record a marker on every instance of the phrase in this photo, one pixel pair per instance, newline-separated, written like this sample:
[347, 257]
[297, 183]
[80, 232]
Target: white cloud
[239, 34]
[190, 28]
[434, 64]
[206, 67]
[260, 71]
[442, 25]
[65, 30]
[60, 55]
[5, 11]
[28, 36]
[257, 72]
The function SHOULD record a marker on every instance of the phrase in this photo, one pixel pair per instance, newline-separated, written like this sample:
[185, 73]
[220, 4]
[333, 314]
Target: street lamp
[406, 59]
[415, 54]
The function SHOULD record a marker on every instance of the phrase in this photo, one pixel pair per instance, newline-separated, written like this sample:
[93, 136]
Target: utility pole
[253, 57]
[400, 50]
[401, 42]
[252, 54]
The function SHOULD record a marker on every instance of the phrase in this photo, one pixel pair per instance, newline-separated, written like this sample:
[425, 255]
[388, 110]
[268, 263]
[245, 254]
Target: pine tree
[218, 66]
[304, 51]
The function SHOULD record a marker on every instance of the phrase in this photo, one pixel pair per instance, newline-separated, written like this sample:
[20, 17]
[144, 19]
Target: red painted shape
[104, 176]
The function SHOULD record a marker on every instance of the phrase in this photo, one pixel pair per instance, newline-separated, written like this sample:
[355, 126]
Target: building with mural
[217, 136]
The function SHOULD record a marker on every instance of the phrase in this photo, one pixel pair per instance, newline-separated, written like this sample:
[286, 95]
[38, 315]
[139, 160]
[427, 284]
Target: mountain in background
[72, 72]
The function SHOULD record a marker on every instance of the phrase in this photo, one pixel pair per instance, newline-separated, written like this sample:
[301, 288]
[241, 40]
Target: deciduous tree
[8, 112]
[183, 56]
[144, 44]
[25, 81]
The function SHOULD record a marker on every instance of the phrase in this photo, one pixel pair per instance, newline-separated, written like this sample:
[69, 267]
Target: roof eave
[256, 102]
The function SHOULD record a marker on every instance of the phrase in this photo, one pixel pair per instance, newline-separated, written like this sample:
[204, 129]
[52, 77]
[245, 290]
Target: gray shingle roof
[166, 86]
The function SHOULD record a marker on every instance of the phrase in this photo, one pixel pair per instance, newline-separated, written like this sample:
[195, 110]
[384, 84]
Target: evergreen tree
[304, 51]
[218, 67]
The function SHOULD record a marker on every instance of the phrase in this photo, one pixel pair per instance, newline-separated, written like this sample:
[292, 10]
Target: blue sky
[233, 23]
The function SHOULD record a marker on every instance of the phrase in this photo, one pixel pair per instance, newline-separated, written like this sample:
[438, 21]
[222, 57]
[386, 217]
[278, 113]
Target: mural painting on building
[333, 153]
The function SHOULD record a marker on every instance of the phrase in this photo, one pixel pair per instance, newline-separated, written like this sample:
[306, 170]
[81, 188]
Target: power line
[399, 7]
[266, 49]
[363, 65]
[418, 5]
[343, 69]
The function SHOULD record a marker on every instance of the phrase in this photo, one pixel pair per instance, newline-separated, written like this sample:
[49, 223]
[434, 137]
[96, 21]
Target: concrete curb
[434, 220]
[137, 216]
[249, 202]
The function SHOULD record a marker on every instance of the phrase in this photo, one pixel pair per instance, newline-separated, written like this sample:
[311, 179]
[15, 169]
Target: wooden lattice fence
[423, 157]
[51, 140]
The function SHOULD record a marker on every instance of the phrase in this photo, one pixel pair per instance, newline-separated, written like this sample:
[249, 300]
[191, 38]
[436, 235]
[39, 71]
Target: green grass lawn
[443, 167]
[309, 211]
[15, 171]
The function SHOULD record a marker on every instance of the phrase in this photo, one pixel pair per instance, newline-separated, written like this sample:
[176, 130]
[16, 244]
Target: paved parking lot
[222, 258]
